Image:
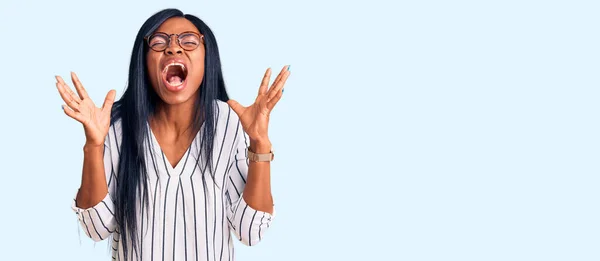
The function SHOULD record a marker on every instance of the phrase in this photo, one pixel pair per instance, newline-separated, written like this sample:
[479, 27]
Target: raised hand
[96, 121]
[255, 118]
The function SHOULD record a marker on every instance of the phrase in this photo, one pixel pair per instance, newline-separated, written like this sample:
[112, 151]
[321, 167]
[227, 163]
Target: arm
[93, 181]
[257, 192]
[92, 205]
[250, 199]
[247, 197]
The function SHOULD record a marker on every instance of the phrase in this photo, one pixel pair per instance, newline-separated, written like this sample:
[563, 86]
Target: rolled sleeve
[98, 222]
[249, 225]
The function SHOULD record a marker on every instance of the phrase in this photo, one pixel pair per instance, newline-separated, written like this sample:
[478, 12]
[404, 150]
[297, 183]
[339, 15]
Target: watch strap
[260, 157]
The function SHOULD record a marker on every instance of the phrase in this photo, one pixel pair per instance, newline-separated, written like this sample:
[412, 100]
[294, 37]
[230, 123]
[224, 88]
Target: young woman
[174, 167]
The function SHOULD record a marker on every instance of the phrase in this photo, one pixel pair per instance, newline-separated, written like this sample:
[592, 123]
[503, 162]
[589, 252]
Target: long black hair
[139, 102]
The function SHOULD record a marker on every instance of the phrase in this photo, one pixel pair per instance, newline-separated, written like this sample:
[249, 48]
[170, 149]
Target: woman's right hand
[96, 121]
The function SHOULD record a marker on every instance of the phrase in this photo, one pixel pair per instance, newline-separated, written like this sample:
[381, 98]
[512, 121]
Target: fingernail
[289, 67]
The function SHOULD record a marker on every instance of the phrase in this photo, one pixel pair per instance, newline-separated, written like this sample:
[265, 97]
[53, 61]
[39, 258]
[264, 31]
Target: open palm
[255, 118]
[96, 121]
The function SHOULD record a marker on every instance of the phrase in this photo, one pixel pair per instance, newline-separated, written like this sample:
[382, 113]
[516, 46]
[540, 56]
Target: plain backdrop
[408, 130]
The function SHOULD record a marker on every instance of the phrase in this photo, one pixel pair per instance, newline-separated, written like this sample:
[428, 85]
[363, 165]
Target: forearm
[257, 192]
[93, 187]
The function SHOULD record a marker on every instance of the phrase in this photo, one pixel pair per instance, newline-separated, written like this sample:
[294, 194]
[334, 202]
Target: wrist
[88, 147]
[260, 146]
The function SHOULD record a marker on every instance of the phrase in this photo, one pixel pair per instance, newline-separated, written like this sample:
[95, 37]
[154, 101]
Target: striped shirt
[190, 215]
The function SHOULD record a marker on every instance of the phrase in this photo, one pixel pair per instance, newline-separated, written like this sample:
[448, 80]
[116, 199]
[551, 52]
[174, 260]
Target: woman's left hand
[255, 118]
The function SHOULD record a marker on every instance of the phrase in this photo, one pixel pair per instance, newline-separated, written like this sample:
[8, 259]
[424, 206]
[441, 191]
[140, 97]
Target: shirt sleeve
[248, 224]
[98, 222]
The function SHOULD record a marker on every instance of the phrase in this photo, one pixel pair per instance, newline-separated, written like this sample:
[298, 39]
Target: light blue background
[409, 130]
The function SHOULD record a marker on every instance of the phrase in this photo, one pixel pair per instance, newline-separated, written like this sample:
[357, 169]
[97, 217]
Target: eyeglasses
[189, 41]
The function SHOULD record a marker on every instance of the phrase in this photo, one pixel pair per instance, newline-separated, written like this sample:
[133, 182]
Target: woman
[174, 166]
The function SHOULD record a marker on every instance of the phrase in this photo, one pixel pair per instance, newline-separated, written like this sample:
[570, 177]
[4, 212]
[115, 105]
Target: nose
[173, 47]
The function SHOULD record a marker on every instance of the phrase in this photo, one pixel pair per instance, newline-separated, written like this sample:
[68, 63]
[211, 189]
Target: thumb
[236, 107]
[109, 100]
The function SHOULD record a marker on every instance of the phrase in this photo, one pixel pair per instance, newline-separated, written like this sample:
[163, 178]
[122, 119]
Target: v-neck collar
[156, 148]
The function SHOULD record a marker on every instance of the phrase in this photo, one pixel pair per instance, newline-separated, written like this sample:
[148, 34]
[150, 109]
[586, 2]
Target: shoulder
[226, 115]
[114, 136]
[227, 120]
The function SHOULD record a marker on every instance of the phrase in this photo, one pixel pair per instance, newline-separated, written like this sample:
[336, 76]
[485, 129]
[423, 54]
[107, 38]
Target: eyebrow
[177, 33]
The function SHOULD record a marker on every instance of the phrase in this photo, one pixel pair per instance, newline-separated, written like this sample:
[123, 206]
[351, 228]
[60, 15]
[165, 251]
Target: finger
[265, 82]
[279, 86]
[271, 104]
[68, 90]
[78, 86]
[284, 70]
[236, 107]
[278, 78]
[68, 98]
[109, 100]
[73, 114]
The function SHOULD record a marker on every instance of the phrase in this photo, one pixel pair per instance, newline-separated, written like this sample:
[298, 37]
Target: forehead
[177, 25]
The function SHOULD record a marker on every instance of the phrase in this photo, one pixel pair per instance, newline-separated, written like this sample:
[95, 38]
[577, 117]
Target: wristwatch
[260, 157]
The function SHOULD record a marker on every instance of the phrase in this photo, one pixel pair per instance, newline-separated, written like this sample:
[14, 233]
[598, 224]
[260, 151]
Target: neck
[176, 119]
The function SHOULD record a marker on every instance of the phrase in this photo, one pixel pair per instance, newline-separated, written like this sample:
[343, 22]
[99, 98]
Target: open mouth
[175, 74]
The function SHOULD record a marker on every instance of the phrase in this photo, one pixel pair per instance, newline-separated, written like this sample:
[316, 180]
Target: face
[177, 71]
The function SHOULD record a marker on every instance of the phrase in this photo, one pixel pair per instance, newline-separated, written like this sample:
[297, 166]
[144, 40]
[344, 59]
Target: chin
[180, 96]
